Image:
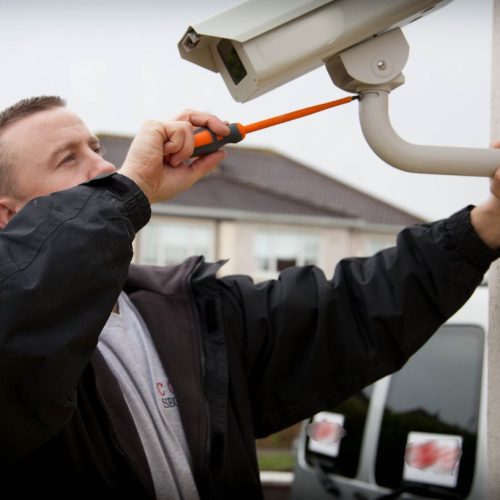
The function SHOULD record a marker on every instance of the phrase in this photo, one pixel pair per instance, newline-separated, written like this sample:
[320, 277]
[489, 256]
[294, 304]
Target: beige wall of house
[256, 247]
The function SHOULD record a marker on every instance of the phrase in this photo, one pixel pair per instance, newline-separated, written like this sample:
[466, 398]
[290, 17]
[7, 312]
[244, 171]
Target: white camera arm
[390, 147]
[373, 69]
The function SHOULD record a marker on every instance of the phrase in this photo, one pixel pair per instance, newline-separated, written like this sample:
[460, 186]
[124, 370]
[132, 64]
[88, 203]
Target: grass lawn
[275, 460]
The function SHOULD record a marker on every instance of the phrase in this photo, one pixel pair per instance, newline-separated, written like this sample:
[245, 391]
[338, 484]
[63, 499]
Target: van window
[428, 436]
[344, 457]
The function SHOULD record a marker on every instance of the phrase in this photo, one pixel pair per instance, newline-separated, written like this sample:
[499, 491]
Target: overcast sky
[117, 64]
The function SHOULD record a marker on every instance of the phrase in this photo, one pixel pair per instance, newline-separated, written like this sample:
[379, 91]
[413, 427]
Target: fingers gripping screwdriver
[206, 141]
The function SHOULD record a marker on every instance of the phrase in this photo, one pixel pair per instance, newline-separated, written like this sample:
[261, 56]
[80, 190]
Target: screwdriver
[206, 141]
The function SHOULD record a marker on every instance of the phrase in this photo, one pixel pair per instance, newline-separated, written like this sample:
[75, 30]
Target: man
[164, 397]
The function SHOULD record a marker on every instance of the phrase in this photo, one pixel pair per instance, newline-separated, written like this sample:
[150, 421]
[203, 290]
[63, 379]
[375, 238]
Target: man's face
[50, 151]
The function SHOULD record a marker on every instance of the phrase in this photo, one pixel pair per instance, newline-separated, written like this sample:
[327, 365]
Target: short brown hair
[12, 114]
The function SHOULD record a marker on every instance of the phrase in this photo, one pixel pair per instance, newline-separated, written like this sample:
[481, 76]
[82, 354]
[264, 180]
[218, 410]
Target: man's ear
[8, 208]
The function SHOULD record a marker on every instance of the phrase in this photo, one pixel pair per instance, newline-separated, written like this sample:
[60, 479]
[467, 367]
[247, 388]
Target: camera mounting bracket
[372, 69]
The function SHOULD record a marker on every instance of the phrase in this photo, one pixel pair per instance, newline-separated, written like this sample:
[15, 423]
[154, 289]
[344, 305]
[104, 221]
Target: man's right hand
[157, 158]
[486, 216]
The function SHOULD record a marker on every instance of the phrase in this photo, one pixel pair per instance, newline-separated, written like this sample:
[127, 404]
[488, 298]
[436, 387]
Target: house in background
[264, 212]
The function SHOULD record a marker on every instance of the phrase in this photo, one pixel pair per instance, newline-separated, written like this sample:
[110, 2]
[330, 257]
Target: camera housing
[259, 45]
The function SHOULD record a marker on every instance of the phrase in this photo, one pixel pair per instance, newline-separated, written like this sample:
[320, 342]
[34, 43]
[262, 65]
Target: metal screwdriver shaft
[208, 142]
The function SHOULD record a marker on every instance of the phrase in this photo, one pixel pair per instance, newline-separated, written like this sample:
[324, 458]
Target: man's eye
[98, 149]
[69, 158]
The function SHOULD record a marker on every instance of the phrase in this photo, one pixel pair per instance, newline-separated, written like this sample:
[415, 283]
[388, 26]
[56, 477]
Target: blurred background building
[264, 212]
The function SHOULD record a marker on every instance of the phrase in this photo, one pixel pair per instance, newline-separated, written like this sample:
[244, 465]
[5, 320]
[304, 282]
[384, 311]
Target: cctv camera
[259, 45]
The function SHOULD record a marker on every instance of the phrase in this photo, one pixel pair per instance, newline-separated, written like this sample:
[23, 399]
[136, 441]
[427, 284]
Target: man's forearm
[63, 261]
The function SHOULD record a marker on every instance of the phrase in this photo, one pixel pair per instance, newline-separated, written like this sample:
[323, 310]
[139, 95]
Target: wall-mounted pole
[493, 482]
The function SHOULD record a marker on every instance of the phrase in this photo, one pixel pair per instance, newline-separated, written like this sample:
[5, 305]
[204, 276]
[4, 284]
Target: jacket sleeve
[307, 342]
[63, 261]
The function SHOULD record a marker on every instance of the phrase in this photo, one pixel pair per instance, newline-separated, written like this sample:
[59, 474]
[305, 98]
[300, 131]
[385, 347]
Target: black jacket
[245, 360]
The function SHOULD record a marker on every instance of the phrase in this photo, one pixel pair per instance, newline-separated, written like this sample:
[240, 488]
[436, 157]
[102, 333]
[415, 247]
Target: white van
[419, 433]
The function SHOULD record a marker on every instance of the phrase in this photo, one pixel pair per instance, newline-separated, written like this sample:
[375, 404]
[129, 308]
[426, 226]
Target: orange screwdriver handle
[205, 141]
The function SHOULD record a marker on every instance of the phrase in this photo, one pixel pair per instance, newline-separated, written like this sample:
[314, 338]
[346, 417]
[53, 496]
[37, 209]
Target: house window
[376, 243]
[277, 251]
[170, 243]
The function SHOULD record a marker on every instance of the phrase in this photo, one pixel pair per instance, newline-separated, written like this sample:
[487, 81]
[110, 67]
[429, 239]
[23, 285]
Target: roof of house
[262, 181]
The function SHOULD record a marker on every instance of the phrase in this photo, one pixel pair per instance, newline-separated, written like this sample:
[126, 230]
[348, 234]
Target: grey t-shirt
[126, 345]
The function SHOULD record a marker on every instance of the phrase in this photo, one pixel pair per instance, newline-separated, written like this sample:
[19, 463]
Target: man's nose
[100, 167]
